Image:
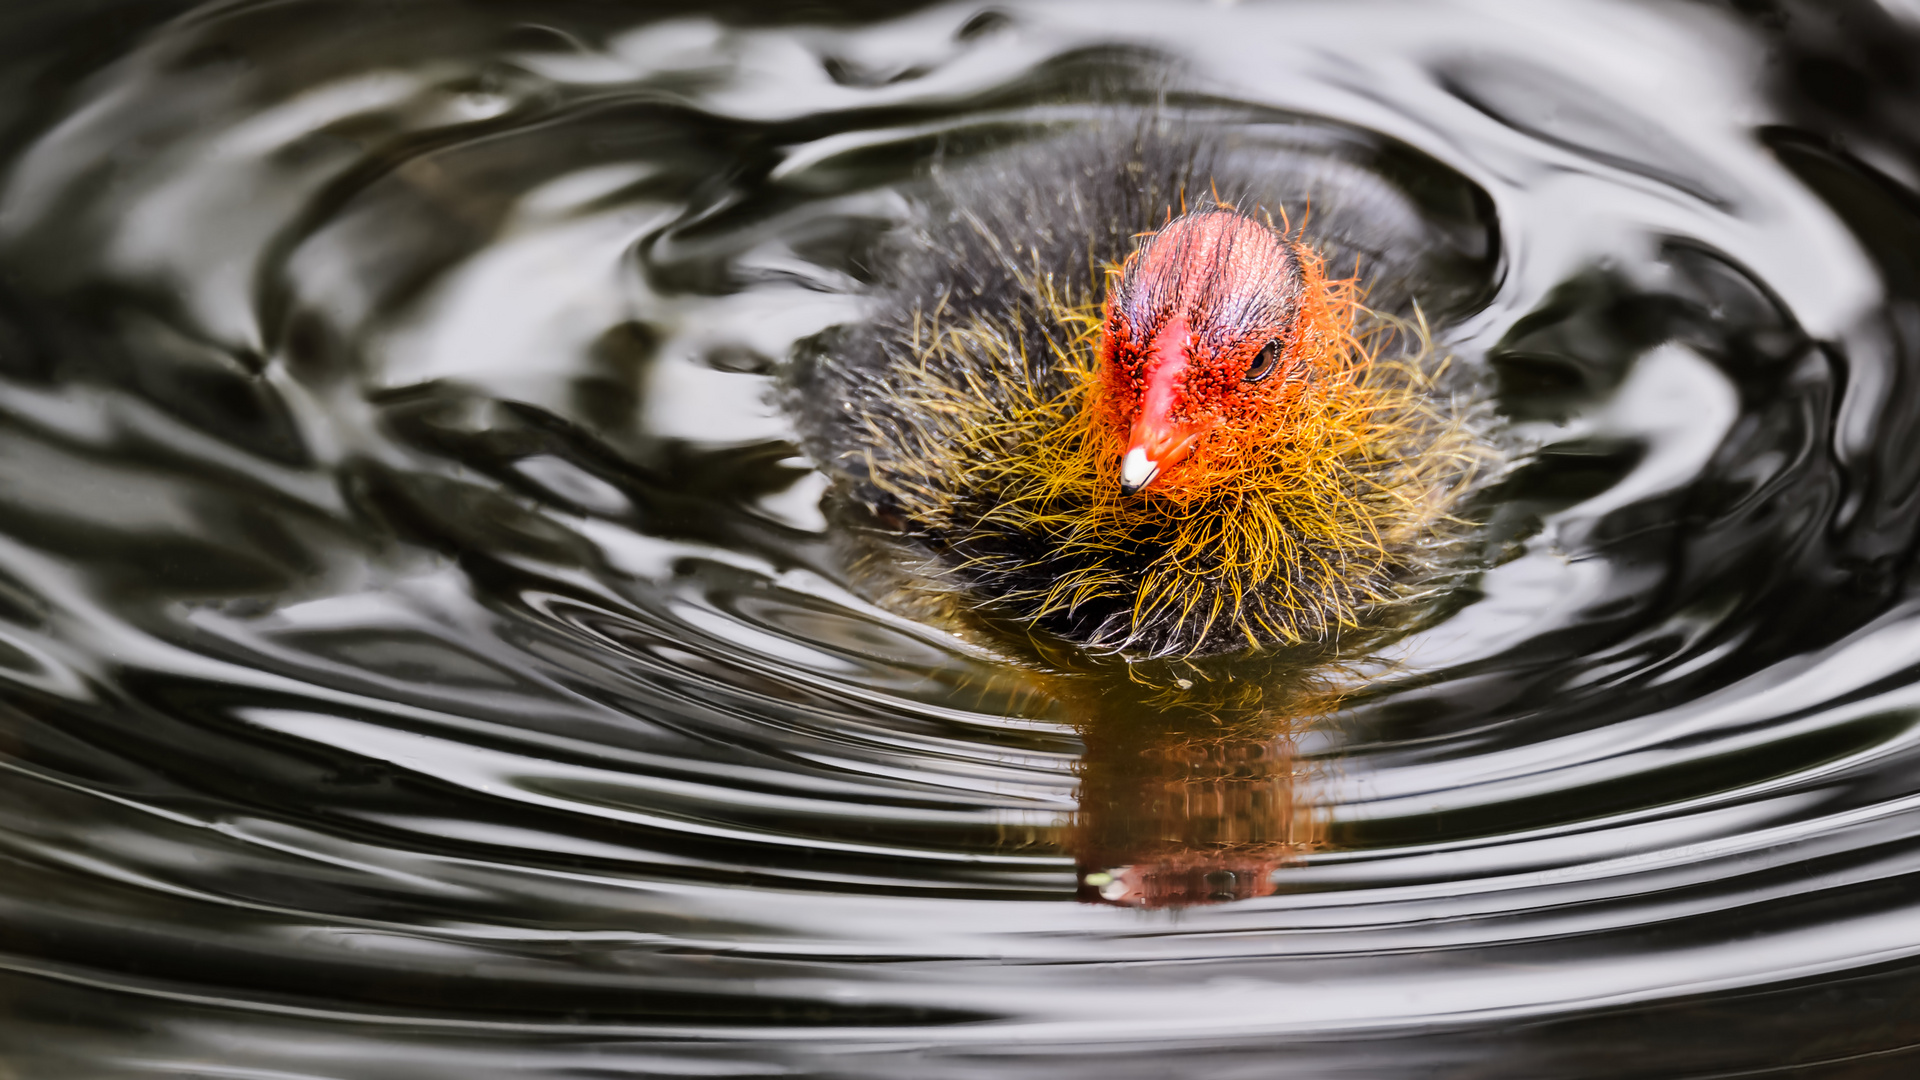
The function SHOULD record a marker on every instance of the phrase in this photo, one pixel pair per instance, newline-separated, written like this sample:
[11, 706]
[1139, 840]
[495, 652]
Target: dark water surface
[423, 653]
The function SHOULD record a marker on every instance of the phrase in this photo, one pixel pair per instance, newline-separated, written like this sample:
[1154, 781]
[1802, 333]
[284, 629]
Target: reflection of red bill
[1180, 882]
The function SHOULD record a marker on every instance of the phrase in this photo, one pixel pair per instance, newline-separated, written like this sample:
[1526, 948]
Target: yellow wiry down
[1285, 524]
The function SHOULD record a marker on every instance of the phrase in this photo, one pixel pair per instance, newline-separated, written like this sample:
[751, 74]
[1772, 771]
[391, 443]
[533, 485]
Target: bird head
[1199, 334]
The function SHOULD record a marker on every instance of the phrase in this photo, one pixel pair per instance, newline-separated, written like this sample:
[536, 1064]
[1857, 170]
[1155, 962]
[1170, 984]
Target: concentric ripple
[424, 653]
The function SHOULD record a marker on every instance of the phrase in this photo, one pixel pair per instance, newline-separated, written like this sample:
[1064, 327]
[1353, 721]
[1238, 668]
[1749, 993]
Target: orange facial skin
[1202, 329]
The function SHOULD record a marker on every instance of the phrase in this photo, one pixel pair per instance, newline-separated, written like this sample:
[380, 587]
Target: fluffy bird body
[1110, 391]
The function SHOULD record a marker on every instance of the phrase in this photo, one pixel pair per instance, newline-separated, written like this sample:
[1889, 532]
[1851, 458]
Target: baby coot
[1154, 393]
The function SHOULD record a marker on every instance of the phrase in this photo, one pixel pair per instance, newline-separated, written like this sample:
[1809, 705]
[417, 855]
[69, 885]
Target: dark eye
[1264, 364]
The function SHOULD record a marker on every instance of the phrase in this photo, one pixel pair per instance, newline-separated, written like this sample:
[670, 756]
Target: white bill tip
[1136, 470]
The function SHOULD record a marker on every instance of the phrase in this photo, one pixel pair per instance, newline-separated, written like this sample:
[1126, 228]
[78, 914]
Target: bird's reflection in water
[1172, 815]
[1196, 786]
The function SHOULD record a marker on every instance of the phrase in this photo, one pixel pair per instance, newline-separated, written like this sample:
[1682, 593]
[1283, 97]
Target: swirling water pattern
[423, 652]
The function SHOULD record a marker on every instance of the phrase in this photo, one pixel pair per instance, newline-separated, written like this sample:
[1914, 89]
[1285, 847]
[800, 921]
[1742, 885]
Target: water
[423, 653]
